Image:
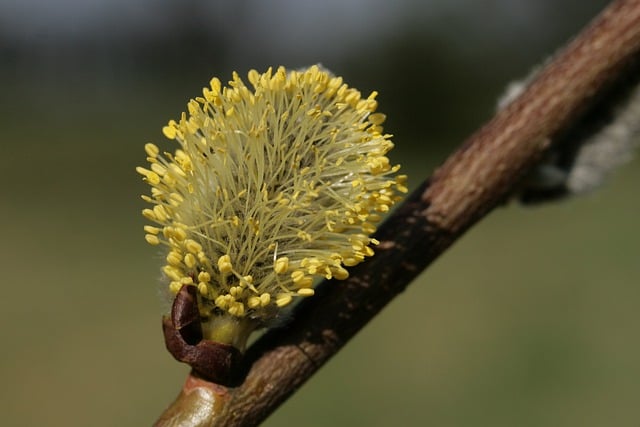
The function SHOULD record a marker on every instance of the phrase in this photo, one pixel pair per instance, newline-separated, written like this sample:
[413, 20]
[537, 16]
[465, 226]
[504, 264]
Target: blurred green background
[530, 320]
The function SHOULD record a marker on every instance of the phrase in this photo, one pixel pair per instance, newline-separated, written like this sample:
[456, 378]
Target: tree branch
[480, 175]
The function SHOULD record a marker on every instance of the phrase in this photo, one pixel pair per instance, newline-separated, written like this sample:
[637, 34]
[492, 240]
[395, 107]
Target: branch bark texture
[480, 175]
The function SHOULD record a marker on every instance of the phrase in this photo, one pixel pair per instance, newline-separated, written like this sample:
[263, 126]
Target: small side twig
[474, 180]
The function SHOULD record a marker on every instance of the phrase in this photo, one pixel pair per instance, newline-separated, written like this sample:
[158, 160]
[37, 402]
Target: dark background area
[530, 320]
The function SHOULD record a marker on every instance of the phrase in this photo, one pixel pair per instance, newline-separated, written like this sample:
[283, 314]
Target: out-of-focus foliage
[531, 319]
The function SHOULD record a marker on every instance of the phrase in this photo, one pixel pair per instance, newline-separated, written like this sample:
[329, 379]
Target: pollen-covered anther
[203, 289]
[304, 235]
[190, 260]
[193, 246]
[401, 181]
[204, 276]
[368, 228]
[236, 309]
[150, 176]
[374, 218]
[170, 131]
[297, 275]
[158, 169]
[151, 149]
[377, 118]
[175, 200]
[149, 214]
[253, 302]
[236, 291]
[152, 239]
[305, 292]
[174, 258]
[353, 259]
[151, 229]
[160, 213]
[224, 264]
[174, 273]
[283, 300]
[300, 279]
[313, 265]
[281, 265]
[339, 273]
[221, 302]
[247, 282]
[378, 165]
[174, 287]
[167, 232]
[265, 299]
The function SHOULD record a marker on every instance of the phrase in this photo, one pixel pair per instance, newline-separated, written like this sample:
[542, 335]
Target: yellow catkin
[274, 183]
